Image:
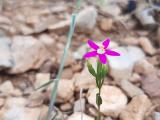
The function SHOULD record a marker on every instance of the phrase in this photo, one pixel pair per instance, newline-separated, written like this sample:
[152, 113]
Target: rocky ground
[32, 39]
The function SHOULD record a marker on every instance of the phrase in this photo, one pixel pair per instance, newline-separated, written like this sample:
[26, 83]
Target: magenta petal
[102, 58]
[92, 44]
[112, 53]
[90, 54]
[106, 43]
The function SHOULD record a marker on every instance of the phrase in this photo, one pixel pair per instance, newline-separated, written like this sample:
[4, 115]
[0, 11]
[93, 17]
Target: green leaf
[98, 99]
[63, 59]
[91, 69]
[44, 85]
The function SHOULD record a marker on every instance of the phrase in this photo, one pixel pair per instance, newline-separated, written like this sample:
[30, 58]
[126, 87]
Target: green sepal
[104, 71]
[99, 67]
[91, 69]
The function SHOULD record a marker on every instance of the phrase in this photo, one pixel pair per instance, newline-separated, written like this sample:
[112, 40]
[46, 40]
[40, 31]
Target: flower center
[101, 51]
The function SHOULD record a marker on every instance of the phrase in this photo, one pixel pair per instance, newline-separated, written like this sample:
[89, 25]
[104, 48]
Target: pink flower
[100, 51]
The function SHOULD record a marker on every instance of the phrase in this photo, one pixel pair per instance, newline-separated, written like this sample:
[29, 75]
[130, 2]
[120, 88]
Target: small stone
[136, 109]
[41, 79]
[6, 88]
[20, 18]
[53, 9]
[106, 24]
[130, 40]
[144, 67]
[151, 85]
[6, 60]
[15, 101]
[80, 52]
[35, 99]
[2, 101]
[48, 66]
[147, 46]
[69, 61]
[108, 118]
[77, 67]
[40, 27]
[84, 80]
[24, 29]
[60, 27]
[79, 105]
[35, 50]
[113, 102]
[144, 16]
[28, 91]
[92, 111]
[156, 116]
[65, 90]
[16, 93]
[67, 73]
[79, 116]
[130, 88]
[48, 41]
[66, 107]
[5, 20]
[155, 60]
[31, 20]
[111, 9]
[122, 67]
[135, 78]
[86, 19]
[23, 113]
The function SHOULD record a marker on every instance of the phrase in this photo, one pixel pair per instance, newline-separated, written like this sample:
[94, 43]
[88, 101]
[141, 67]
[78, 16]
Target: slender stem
[99, 107]
[55, 87]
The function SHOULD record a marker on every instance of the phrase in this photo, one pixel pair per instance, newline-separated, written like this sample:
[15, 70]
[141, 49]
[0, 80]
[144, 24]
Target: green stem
[99, 107]
[55, 87]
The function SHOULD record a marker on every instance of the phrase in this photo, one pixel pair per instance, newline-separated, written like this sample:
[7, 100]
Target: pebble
[121, 67]
[6, 60]
[65, 90]
[41, 79]
[83, 80]
[78, 116]
[34, 49]
[147, 46]
[86, 19]
[144, 67]
[136, 109]
[156, 115]
[106, 24]
[66, 107]
[36, 99]
[129, 40]
[2, 102]
[79, 105]
[151, 85]
[113, 102]
[6, 88]
[67, 73]
[130, 88]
